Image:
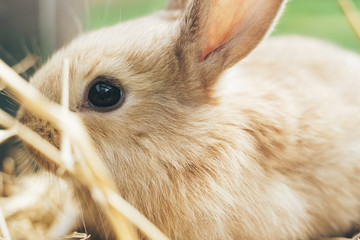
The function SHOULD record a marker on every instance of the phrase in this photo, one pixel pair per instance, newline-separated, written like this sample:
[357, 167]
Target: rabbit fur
[221, 135]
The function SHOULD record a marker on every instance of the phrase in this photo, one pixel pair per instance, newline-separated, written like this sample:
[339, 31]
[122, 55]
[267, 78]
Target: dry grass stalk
[31, 138]
[3, 227]
[88, 169]
[351, 14]
[76, 235]
[28, 62]
[66, 142]
[7, 134]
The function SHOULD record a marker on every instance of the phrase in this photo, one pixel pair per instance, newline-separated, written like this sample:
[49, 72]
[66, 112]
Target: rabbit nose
[46, 130]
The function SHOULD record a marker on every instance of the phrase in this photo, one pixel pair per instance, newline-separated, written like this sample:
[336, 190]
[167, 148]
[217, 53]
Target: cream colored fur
[268, 148]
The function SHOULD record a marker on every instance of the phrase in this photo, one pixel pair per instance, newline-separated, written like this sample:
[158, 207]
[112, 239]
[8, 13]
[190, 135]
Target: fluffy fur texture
[208, 147]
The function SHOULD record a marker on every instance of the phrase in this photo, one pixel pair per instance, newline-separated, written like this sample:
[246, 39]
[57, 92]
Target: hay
[352, 15]
[28, 62]
[85, 166]
[3, 226]
[76, 235]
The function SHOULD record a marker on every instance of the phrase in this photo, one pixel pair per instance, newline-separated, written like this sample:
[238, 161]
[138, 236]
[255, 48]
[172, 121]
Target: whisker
[11, 97]
[27, 52]
[37, 51]
[10, 102]
[82, 217]
[102, 221]
[107, 10]
[120, 14]
[24, 162]
[27, 166]
[24, 171]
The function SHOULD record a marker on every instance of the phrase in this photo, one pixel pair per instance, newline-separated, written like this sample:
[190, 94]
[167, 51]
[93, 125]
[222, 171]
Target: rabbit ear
[176, 4]
[216, 34]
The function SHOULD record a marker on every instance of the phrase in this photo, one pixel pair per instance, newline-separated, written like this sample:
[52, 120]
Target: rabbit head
[163, 65]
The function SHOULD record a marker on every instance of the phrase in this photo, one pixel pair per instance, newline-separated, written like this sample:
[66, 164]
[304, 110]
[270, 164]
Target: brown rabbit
[209, 138]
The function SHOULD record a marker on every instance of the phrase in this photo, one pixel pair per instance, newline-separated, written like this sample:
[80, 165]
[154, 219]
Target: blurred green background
[318, 18]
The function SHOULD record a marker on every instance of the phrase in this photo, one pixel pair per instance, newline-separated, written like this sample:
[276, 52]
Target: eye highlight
[105, 94]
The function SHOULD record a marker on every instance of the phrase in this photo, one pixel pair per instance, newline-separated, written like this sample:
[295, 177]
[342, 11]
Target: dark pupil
[104, 95]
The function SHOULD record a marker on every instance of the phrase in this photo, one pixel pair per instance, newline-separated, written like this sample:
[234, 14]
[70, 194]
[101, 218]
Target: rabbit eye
[105, 95]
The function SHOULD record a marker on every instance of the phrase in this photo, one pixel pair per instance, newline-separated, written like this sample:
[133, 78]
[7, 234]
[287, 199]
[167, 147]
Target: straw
[3, 227]
[351, 15]
[28, 62]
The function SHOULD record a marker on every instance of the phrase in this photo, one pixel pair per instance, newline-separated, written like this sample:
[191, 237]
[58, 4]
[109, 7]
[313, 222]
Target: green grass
[105, 14]
[317, 18]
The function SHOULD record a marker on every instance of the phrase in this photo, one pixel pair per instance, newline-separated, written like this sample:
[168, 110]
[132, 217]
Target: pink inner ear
[224, 19]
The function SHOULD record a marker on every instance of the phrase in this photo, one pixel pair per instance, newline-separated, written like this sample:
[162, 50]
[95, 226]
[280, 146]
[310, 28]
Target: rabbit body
[263, 148]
